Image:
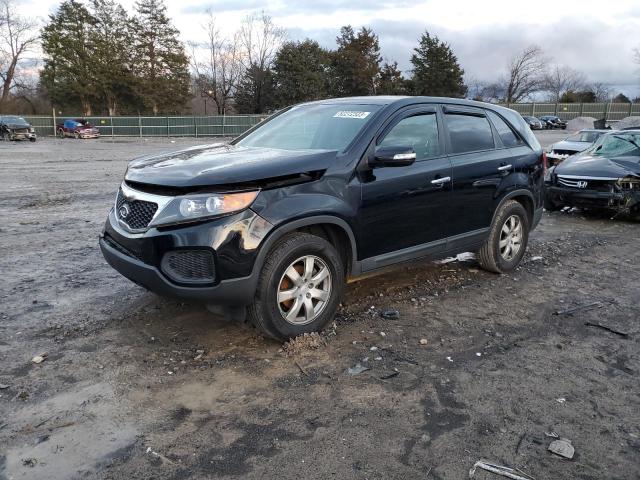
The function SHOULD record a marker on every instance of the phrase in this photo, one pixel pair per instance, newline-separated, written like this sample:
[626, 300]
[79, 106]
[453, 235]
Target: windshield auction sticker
[351, 114]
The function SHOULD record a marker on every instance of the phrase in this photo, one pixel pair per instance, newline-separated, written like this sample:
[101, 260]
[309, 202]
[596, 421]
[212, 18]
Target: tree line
[99, 59]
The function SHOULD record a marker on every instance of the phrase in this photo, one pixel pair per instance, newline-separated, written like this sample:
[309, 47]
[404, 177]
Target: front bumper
[584, 198]
[234, 241]
[22, 136]
[89, 135]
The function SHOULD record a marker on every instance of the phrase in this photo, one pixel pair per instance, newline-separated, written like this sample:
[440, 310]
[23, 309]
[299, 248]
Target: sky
[593, 37]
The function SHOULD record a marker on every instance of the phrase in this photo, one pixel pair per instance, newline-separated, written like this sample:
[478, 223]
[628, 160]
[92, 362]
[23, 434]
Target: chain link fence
[211, 126]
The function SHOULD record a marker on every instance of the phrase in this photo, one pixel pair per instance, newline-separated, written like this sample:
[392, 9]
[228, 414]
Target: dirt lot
[135, 386]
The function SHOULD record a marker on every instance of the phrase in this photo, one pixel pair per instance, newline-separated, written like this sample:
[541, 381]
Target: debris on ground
[562, 447]
[461, 257]
[29, 462]
[160, 456]
[423, 341]
[4, 386]
[561, 400]
[499, 470]
[607, 328]
[579, 308]
[390, 314]
[536, 258]
[39, 358]
[303, 343]
[357, 369]
[390, 375]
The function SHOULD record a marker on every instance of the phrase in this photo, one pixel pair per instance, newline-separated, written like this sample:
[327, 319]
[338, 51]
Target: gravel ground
[476, 366]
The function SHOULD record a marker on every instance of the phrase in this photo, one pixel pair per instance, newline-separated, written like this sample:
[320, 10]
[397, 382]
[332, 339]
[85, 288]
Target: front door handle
[505, 168]
[441, 181]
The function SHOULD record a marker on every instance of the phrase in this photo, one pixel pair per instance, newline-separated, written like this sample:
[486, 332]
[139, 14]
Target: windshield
[618, 145]
[15, 121]
[312, 127]
[584, 137]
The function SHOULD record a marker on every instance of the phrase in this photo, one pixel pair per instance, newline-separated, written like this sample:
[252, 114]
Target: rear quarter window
[468, 133]
[507, 135]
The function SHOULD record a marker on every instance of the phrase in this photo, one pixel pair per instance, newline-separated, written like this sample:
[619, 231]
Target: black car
[554, 121]
[535, 123]
[275, 222]
[605, 177]
[16, 128]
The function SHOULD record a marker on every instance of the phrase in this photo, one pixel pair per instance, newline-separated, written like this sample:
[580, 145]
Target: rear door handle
[504, 168]
[441, 181]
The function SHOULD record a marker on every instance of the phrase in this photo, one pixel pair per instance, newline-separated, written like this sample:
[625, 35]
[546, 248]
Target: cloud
[298, 7]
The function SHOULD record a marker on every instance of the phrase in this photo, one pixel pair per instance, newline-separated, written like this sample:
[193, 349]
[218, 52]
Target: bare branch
[260, 38]
[561, 79]
[526, 74]
[18, 37]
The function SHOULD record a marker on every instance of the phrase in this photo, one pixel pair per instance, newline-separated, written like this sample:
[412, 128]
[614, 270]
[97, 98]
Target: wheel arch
[333, 229]
[523, 196]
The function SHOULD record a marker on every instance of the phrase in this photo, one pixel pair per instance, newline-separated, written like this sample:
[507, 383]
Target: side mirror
[392, 156]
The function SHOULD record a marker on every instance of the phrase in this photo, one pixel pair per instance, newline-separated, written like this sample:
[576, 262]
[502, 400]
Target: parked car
[274, 223]
[573, 144]
[77, 128]
[535, 123]
[13, 127]
[606, 176]
[554, 121]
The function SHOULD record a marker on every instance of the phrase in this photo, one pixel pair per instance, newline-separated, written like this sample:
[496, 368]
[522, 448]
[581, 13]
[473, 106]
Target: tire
[61, 133]
[495, 257]
[268, 315]
[76, 136]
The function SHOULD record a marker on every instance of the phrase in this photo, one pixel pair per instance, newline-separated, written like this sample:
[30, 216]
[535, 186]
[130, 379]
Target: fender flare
[281, 230]
[511, 194]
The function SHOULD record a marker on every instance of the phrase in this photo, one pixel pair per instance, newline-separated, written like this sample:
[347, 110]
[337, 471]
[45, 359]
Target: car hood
[587, 165]
[16, 126]
[573, 146]
[222, 164]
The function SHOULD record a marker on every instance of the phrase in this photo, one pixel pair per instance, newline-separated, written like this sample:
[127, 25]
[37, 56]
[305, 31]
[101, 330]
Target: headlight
[32, 130]
[194, 207]
[218, 204]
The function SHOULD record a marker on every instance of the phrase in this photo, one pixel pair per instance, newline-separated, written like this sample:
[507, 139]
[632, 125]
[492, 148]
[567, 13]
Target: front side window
[468, 133]
[509, 138]
[312, 127]
[419, 132]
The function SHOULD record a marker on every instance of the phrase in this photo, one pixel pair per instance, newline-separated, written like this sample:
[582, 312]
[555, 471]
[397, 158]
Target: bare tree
[561, 79]
[601, 92]
[526, 75]
[18, 37]
[261, 38]
[219, 70]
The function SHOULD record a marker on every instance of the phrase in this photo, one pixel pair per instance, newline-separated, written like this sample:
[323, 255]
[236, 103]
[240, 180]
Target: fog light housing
[189, 266]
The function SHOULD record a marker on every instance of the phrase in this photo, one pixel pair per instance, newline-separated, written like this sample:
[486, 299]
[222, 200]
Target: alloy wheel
[511, 238]
[304, 290]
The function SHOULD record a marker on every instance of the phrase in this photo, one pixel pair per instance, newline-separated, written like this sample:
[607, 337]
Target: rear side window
[509, 138]
[419, 132]
[469, 133]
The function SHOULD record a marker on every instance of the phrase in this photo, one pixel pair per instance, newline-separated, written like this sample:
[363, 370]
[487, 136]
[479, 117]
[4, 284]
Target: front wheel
[507, 242]
[299, 288]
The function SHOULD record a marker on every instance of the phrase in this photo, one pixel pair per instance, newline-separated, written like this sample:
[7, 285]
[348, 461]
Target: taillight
[545, 163]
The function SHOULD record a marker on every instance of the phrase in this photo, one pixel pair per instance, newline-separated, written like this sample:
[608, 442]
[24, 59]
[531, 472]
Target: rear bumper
[237, 291]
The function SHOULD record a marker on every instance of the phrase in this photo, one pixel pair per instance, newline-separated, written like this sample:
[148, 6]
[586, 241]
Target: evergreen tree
[356, 63]
[160, 64]
[391, 80]
[255, 93]
[112, 36]
[301, 72]
[436, 71]
[69, 63]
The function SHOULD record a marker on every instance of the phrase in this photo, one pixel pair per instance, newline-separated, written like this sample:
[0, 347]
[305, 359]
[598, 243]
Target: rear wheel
[61, 133]
[507, 240]
[299, 289]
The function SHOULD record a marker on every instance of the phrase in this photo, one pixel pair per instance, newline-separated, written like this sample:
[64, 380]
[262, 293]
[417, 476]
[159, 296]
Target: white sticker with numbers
[351, 114]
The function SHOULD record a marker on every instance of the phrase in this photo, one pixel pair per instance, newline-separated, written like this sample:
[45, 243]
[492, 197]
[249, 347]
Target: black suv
[272, 224]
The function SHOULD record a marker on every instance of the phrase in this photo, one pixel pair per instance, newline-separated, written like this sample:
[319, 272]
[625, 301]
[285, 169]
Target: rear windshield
[584, 137]
[312, 127]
